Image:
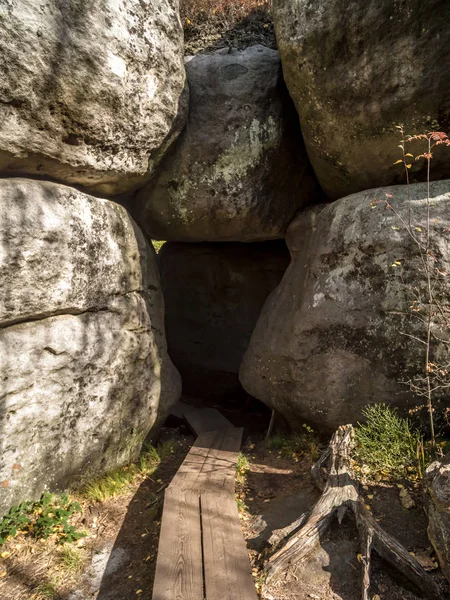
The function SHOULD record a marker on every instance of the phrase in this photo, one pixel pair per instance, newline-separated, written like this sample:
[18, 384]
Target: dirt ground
[279, 490]
[120, 550]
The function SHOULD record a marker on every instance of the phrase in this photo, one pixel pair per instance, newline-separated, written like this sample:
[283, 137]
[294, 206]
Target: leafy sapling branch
[428, 295]
[49, 516]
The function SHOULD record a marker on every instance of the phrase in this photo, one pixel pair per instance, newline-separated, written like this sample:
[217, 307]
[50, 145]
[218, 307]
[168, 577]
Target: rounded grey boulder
[84, 370]
[437, 506]
[357, 69]
[91, 93]
[239, 171]
[335, 335]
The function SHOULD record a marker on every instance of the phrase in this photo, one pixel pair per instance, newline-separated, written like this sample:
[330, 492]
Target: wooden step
[179, 566]
[202, 554]
[211, 462]
[201, 420]
[225, 557]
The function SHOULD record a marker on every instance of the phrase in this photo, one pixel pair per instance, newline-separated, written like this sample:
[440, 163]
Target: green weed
[241, 506]
[46, 590]
[119, 481]
[296, 444]
[386, 443]
[242, 468]
[71, 560]
[48, 516]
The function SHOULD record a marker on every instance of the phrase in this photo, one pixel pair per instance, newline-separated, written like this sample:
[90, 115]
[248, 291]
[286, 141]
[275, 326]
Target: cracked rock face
[437, 504]
[355, 70]
[239, 171]
[84, 370]
[333, 336]
[91, 93]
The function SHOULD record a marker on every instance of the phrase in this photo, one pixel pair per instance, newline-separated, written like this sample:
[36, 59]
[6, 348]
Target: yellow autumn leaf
[408, 154]
[395, 228]
[3, 574]
[138, 592]
[5, 554]
[397, 162]
[409, 166]
[418, 229]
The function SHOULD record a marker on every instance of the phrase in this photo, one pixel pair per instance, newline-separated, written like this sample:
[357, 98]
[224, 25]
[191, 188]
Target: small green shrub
[48, 516]
[240, 503]
[120, 480]
[242, 468]
[46, 590]
[71, 560]
[296, 444]
[386, 442]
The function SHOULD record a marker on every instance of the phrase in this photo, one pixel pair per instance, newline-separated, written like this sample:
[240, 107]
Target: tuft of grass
[119, 481]
[240, 503]
[46, 590]
[242, 468]
[71, 560]
[386, 443]
[296, 444]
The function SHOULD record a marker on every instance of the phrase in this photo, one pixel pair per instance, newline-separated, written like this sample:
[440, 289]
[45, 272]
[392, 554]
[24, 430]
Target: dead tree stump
[340, 493]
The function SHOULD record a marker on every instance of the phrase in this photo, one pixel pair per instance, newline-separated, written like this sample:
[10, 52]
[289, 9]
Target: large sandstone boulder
[437, 504]
[213, 295]
[332, 337]
[355, 70]
[239, 171]
[90, 92]
[84, 369]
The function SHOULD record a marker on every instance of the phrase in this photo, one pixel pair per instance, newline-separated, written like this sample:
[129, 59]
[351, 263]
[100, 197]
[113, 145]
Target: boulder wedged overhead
[335, 335]
[91, 93]
[355, 70]
[84, 368]
[239, 170]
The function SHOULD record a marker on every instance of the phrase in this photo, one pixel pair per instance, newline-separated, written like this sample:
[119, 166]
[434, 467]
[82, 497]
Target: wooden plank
[219, 469]
[200, 420]
[211, 462]
[215, 419]
[192, 466]
[206, 419]
[226, 563]
[179, 573]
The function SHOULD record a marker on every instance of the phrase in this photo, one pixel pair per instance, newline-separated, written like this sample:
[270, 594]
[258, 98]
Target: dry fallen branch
[340, 493]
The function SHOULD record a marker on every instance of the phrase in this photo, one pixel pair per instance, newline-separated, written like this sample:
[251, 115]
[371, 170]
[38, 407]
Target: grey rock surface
[239, 170]
[355, 70]
[91, 93]
[84, 370]
[333, 336]
[437, 504]
[213, 295]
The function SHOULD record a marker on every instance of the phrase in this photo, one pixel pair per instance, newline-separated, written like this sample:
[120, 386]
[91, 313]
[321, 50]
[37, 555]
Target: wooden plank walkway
[202, 553]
